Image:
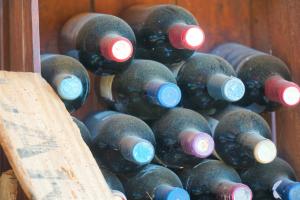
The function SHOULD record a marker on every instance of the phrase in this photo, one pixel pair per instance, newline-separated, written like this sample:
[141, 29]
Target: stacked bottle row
[180, 146]
[145, 65]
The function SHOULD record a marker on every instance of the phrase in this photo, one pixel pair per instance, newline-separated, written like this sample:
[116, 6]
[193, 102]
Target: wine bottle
[212, 179]
[208, 82]
[105, 43]
[146, 89]
[154, 182]
[168, 32]
[68, 78]
[266, 77]
[128, 136]
[183, 136]
[213, 118]
[114, 184]
[242, 138]
[84, 131]
[275, 179]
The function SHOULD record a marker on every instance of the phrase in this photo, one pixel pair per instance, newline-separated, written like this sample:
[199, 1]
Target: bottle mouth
[116, 48]
[233, 89]
[282, 91]
[193, 37]
[241, 192]
[265, 151]
[291, 96]
[294, 191]
[165, 192]
[70, 87]
[183, 36]
[143, 152]
[168, 95]
[198, 144]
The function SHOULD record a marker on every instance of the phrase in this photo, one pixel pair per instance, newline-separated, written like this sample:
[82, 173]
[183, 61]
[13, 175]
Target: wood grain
[24, 34]
[43, 144]
[53, 15]
[4, 35]
[116, 6]
[8, 186]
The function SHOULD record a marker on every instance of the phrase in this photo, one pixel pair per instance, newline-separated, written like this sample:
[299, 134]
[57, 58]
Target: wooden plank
[221, 20]
[24, 42]
[43, 144]
[8, 186]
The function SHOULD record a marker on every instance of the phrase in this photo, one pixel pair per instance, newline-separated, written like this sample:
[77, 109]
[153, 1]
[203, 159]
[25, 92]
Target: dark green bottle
[146, 89]
[68, 78]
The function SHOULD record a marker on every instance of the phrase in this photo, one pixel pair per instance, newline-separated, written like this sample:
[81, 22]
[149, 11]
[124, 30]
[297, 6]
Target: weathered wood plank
[43, 144]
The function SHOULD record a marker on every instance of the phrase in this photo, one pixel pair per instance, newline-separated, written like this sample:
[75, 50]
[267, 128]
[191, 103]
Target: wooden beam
[43, 144]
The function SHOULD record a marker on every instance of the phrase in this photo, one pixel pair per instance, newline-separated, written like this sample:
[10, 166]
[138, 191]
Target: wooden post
[19, 35]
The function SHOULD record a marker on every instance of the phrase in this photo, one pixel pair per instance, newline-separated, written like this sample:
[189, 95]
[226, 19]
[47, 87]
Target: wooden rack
[268, 25]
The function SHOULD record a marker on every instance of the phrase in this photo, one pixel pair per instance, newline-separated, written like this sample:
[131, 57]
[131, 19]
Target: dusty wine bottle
[168, 33]
[214, 117]
[105, 43]
[114, 184]
[68, 78]
[207, 82]
[125, 134]
[212, 179]
[275, 179]
[183, 136]
[146, 89]
[266, 77]
[84, 131]
[154, 182]
[242, 138]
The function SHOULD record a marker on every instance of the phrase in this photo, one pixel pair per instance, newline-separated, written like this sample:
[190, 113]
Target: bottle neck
[282, 91]
[263, 149]
[136, 149]
[286, 189]
[116, 48]
[69, 87]
[228, 190]
[196, 143]
[117, 195]
[163, 93]
[167, 192]
[223, 87]
[183, 36]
